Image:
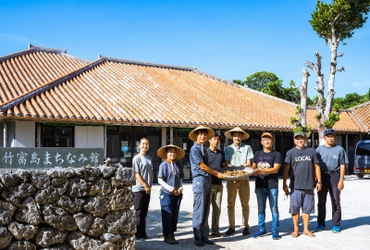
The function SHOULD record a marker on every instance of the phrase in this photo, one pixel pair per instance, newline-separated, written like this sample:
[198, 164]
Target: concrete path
[355, 223]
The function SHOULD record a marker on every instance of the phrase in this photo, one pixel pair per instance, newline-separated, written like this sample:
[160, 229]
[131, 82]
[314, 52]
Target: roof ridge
[55, 51]
[119, 60]
[360, 105]
[241, 86]
[32, 48]
[49, 85]
[358, 121]
[45, 49]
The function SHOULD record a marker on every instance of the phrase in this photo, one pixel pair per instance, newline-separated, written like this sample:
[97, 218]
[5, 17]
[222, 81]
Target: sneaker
[207, 241]
[259, 234]
[199, 243]
[230, 231]
[275, 235]
[168, 240]
[320, 227]
[245, 231]
[173, 239]
[336, 229]
[139, 239]
[217, 234]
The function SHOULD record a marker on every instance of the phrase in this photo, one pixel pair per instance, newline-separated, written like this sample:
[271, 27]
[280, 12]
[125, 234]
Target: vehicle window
[363, 149]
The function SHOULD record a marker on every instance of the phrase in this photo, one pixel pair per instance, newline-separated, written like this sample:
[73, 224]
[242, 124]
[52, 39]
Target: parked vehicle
[362, 158]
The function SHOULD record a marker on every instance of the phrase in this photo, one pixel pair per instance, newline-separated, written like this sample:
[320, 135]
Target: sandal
[295, 235]
[309, 234]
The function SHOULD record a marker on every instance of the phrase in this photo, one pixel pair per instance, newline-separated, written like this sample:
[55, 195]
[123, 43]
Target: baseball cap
[329, 131]
[299, 133]
[267, 134]
[217, 134]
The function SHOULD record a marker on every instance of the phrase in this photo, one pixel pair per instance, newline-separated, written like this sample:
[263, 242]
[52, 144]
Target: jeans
[170, 206]
[272, 195]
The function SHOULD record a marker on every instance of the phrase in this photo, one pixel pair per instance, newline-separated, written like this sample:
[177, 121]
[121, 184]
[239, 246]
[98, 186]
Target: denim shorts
[302, 198]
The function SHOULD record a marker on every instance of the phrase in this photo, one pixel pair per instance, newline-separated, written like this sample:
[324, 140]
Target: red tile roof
[362, 114]
[24, 72]
[57, 87]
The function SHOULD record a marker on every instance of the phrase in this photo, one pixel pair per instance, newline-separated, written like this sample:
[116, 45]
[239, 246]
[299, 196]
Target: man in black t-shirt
[216, 161]
[303, 165]
[267, 163]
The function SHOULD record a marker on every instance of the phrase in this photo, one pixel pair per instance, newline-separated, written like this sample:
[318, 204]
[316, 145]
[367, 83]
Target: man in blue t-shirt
[201, 183]
[216, 161]
[267, 163]
[333, 161]
[302, 165]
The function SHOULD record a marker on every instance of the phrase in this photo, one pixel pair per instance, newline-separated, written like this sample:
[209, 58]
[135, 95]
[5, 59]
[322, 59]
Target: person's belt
[331, 172]
[205, 176]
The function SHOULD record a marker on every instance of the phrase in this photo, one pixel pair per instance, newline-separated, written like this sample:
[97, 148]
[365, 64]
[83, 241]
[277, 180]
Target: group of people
[322, 169]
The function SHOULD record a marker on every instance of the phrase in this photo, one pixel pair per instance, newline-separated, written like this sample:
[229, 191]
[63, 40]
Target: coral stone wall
[65, 208]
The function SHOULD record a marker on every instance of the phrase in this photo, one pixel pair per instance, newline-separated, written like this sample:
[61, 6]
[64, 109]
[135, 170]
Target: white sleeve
[165, 185]
[181, 185]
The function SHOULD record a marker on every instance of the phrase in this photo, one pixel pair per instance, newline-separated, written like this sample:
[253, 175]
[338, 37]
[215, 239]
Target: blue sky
[229, 39]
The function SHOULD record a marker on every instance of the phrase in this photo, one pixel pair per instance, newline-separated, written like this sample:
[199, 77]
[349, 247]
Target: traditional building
[49, 98]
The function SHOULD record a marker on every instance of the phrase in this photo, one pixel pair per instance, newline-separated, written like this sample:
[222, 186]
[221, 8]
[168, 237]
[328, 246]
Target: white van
[362, 158]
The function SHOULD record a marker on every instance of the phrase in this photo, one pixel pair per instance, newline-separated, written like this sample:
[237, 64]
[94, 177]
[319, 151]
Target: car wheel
[360, 176]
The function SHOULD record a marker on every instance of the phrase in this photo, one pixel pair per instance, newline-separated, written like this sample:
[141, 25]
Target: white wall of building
[21, 134]
[89, 137]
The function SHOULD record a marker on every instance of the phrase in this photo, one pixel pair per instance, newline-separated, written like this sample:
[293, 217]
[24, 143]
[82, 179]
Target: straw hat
[180, 153]
[229, 133]
[107, 160]
[193, 135]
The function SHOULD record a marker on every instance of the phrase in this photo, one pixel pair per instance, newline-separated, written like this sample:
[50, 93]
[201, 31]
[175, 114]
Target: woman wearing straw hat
[201, 183]
[238, 154]
[170, 177]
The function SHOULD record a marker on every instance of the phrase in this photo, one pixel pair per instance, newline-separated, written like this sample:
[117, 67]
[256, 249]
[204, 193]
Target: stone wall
[65, 208]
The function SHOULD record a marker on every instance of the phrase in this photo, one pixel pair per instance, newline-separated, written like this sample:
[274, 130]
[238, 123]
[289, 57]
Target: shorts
[302, 198]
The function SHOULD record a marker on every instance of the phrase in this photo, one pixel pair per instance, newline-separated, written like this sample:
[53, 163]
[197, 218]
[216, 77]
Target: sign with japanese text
[50, 157]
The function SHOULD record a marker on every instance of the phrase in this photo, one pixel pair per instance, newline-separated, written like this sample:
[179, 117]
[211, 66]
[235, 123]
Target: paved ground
[355, 223]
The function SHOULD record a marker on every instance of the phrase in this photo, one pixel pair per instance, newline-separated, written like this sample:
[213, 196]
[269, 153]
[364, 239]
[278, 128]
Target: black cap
[217, 134]
[329, 131]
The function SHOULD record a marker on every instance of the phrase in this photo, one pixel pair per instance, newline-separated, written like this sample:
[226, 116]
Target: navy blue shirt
[331, 157]
[172, 176]
[267, 160]
[302, 169]
[215, 160]
[197, 155]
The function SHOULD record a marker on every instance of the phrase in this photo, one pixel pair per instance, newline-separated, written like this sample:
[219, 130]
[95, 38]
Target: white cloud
[361, 84]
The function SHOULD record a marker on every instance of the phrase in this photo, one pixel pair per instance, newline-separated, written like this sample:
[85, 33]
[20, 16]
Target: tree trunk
[303, 92]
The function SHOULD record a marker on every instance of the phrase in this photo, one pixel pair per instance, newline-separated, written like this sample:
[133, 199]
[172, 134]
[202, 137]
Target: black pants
[141, 206]
[329, 184]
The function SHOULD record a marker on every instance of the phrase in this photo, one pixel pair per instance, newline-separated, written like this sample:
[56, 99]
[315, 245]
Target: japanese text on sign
[49, 157]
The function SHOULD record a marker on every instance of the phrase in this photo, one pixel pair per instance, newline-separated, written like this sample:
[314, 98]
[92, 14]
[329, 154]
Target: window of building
[56, 136]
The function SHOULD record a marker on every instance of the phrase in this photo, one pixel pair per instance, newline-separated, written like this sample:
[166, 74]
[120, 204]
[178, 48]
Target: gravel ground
[355, 223]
